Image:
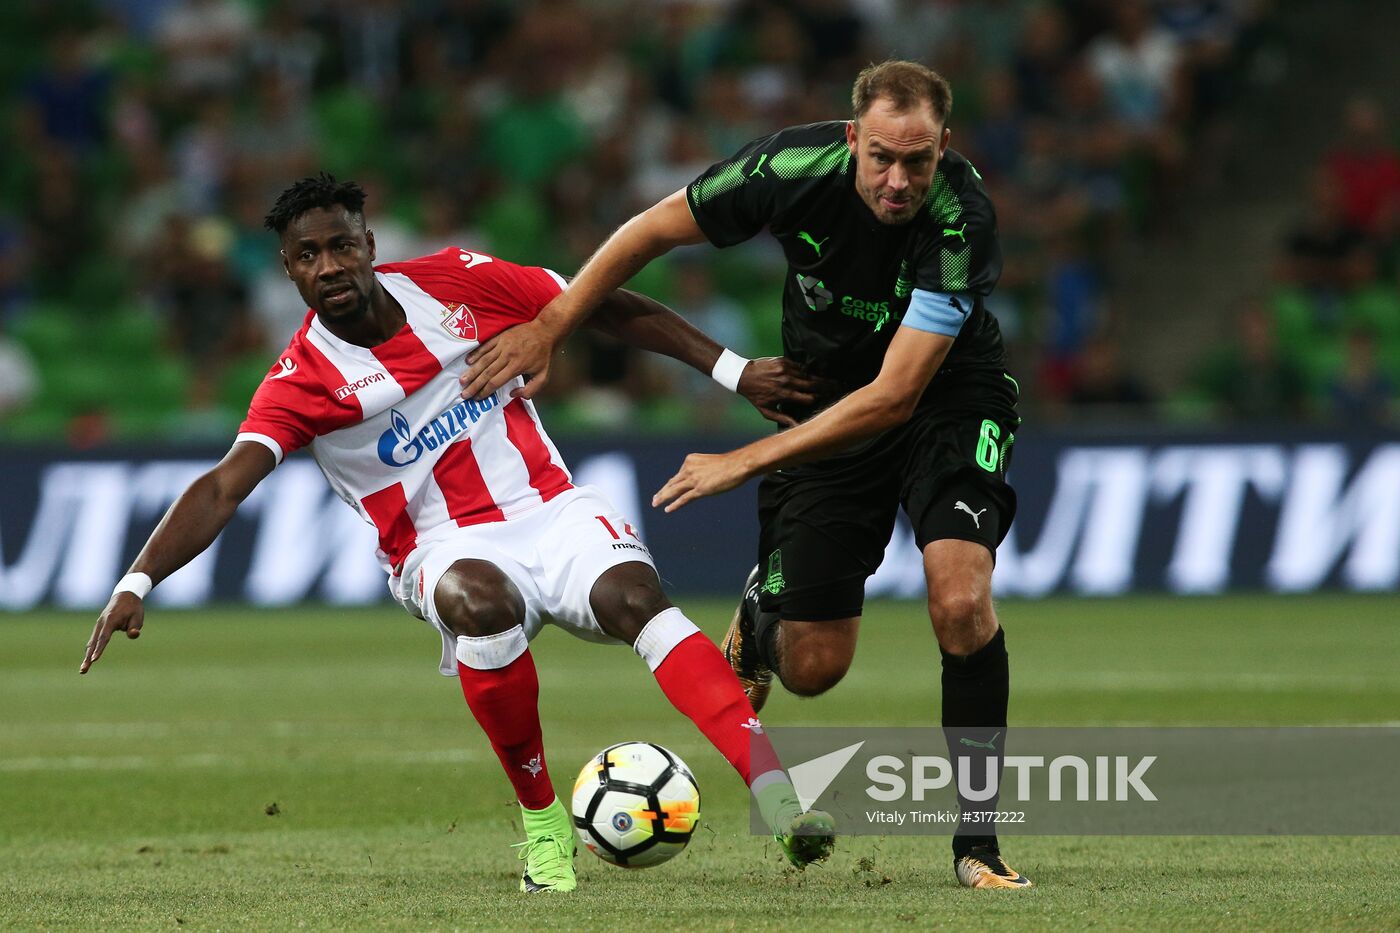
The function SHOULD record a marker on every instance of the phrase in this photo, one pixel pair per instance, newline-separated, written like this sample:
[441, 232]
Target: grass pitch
[262, 769]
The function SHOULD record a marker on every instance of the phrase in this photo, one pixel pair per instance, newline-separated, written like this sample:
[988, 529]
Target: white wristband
[728, 368]
[138, 584]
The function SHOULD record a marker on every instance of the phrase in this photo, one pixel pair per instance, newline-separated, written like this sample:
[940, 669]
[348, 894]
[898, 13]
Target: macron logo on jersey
[350, 388]
[285, 367]
[400, 445]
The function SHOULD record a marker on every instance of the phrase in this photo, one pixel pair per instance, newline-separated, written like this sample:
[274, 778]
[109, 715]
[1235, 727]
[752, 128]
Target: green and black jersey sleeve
[958, 250]
[736, 198]
[954, 258]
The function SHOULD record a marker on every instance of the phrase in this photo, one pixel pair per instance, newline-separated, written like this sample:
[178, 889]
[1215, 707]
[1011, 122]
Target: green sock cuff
[542, 819]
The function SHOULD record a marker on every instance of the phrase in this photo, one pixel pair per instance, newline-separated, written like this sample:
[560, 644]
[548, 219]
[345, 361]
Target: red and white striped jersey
[386, 424]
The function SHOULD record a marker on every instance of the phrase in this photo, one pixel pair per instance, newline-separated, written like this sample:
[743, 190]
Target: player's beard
[354, 310]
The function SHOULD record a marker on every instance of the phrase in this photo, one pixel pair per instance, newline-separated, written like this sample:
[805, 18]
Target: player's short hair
[906, 84]
[321, 191]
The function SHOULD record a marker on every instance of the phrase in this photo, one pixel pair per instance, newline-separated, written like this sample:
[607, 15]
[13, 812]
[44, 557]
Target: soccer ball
[636, 804]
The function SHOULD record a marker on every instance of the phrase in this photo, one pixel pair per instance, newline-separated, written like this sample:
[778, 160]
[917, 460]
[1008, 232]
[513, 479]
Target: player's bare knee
[811, 673]
[474, 598]
[814, 659]
[814, 656]
[961, 618]
[953, 607]
[626, 598]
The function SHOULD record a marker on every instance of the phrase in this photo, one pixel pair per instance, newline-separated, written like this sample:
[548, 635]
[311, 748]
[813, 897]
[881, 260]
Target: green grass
[138, 796]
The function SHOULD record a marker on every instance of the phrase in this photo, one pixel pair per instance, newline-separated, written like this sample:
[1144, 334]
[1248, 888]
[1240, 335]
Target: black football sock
[976, 688]
[765, 630]
[765, 624]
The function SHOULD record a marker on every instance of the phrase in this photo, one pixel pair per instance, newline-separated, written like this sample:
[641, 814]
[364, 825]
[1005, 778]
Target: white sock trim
[667, 628]
[492, 652]
[767, 779]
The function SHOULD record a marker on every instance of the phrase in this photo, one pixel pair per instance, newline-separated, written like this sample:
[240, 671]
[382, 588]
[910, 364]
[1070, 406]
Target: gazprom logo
[401, 425]
[400, 445]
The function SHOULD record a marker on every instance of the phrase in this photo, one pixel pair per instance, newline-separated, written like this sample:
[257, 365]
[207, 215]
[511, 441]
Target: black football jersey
[849, 276]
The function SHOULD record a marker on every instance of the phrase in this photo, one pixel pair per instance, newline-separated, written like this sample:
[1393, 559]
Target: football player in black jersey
[891, 246]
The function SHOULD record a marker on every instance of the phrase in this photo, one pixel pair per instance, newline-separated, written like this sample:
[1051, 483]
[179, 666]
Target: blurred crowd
[139, 292]
[1323, 341]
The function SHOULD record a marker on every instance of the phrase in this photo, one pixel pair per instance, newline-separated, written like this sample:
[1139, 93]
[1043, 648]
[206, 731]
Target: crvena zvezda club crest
[459, 320]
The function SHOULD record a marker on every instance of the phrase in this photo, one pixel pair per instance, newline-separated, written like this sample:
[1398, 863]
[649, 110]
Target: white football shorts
[553, 554]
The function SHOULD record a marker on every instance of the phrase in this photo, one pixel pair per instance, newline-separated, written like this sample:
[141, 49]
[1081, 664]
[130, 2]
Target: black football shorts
[824, 526]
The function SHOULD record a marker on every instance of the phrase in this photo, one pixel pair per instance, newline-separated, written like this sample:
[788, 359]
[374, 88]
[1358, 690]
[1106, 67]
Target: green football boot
[809, 837]
[548, 850]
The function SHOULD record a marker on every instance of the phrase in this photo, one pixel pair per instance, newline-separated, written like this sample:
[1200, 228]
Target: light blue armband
[938, 312]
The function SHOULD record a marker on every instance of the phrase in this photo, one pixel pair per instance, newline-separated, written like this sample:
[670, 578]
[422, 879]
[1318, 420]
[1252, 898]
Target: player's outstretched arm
[910, 362]
[191, 525]
[768, 383]
[528, 348]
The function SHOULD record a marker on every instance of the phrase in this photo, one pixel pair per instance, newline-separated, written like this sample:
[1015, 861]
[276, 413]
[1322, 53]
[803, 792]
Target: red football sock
[505, 701]
[699, 682]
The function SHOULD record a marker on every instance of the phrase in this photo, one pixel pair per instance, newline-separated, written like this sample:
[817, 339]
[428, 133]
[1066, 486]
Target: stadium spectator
[471, 30]
[1097, 145]
[140, 17]
[136, 129]
[910, 29]
[275, 138]
[203, 155]
[205, 303]
[1041, 57]
[1140, 67]
[58, 218]
[154, 197]
[368, 40]
[19, 377]
[69, 96]
[725, 112]
[997, 137]
[835, 37]
[698, 301]
[1322, 249]
[287, 47]
[1205, 33]
[15, 293]
[1361, 394]
[767, 43]
[1365, 167]
[532, 132]
[1075, 310]
[1102, 380]
[1251, 378]
[204, 42]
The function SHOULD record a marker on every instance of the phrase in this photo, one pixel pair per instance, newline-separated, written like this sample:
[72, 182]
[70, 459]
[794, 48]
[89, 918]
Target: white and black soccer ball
[636, 804]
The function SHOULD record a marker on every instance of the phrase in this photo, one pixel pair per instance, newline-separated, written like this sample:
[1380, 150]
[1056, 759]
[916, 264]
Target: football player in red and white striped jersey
[482, 531]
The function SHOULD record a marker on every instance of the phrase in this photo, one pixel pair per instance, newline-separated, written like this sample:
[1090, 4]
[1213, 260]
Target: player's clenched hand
[701, 475]
[526, 348]
[771, 382]
[124, 613]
